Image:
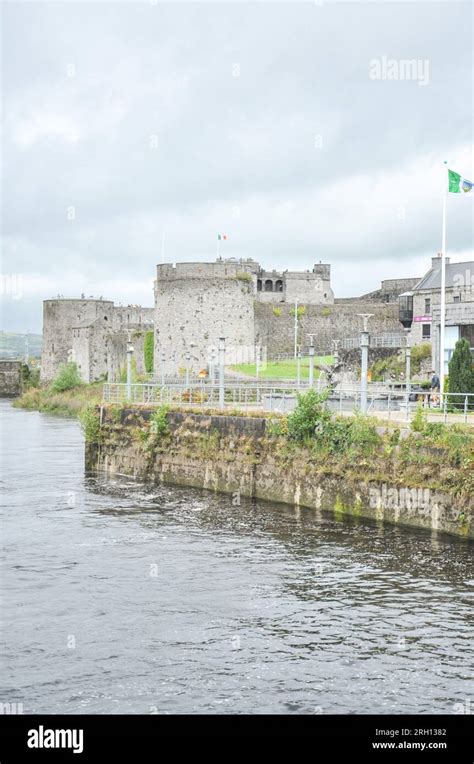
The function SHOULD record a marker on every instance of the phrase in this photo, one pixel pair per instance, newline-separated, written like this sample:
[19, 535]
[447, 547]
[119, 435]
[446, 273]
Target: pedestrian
[435, 388]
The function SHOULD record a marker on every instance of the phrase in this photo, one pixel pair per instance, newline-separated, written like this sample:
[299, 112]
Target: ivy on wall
[148, 349]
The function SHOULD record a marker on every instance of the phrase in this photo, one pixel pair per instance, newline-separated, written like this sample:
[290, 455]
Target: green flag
[458, 184]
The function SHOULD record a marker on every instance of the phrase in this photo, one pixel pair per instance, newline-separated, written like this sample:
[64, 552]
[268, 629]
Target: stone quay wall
[236, 455]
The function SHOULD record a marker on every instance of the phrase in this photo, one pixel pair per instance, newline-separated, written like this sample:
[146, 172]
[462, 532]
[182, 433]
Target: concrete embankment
[404, 482]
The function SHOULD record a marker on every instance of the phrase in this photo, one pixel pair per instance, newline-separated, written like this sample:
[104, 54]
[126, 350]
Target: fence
[282, 397]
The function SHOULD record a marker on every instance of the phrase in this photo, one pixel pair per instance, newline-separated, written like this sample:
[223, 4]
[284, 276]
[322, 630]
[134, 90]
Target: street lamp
[163, 359]
[221, 371]
[188, 361]
[311, 360]
[129, 368]
[364, 362]
[408, 366]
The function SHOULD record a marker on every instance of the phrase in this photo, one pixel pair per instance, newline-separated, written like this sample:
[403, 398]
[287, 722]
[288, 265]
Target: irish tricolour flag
[222, 237]
[458, 184]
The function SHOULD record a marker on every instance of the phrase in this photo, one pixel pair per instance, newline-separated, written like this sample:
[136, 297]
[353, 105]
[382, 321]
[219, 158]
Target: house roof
[432, 280]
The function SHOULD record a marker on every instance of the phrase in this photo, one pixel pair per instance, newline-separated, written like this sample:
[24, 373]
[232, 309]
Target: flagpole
[443, 296]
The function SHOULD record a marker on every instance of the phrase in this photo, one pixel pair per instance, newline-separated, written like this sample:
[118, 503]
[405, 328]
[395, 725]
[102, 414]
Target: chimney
[436, 261]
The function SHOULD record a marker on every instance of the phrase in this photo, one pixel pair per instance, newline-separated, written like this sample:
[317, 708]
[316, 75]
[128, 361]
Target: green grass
[67, 403]
[283, 369]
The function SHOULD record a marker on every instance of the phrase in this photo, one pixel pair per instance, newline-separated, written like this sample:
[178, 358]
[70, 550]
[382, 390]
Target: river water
[124, 598]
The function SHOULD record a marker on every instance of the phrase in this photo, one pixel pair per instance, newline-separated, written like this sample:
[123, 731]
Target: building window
[457, 298]
[279, 286]
[268, 285]
[427, 306]
[259, 285]
[426, 331]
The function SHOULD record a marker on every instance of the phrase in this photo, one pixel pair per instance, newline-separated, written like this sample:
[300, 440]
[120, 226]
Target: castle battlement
[312, 287]
[220, 269]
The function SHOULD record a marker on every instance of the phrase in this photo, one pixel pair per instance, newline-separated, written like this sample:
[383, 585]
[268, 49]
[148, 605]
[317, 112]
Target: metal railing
[375, 341]
[384, 403]
[204, 394]
[388, 404]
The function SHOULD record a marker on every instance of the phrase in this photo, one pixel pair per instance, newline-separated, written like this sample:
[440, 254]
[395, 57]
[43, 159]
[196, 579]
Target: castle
[93, 333]
[196, 304]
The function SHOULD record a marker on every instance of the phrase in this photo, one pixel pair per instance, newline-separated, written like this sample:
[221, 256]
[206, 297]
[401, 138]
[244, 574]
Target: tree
[67, 377]
[461, 371]
[148, 351]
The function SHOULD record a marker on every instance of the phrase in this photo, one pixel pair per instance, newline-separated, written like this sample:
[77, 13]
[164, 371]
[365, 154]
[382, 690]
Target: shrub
[419, 353]
[277, 312]
[325, 312]
[30, 377]
[299, 311]
[461, 372]
[392, 366]
[67, 377]
[418, 423]
[90, 423]
[159, 422]
[148, 351]
[309, 417]
[244, 276]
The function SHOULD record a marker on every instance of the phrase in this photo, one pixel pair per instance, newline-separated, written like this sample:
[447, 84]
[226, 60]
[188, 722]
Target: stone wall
[10, 378]
[116, 345]
[59, 318]
[391, 289]
[133, 315]
[195, 304]
[274, 325]
[233, 454]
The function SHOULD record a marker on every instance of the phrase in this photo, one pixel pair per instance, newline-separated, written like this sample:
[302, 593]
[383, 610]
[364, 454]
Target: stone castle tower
[93, 333]
[60, 316]
[196, 303]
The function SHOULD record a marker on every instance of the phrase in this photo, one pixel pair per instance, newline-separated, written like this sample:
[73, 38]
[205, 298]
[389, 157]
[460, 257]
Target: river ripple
[124, 598]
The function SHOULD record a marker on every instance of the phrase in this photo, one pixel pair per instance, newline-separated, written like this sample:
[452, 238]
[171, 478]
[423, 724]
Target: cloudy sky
[137, 131]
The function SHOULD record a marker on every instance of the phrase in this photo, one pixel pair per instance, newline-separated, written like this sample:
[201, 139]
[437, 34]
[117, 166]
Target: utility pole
[298, 368]
[364, 345]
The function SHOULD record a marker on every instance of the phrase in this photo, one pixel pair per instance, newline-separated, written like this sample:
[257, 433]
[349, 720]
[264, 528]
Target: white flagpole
[443, 295]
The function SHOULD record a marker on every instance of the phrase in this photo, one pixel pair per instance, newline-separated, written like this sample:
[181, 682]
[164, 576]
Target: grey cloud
[225, 141]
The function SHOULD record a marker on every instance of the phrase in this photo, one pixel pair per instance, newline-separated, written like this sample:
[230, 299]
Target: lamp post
[129, 368]
[212, 357]
[408, 367]
[188, 361]
[296, 327]
[364, 362]
[311, 360]
[221, 371]
[298, 368]
[163, 359]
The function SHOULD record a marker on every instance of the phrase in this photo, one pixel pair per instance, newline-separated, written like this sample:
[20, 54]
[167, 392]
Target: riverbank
[422, 479]
[70, 403]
